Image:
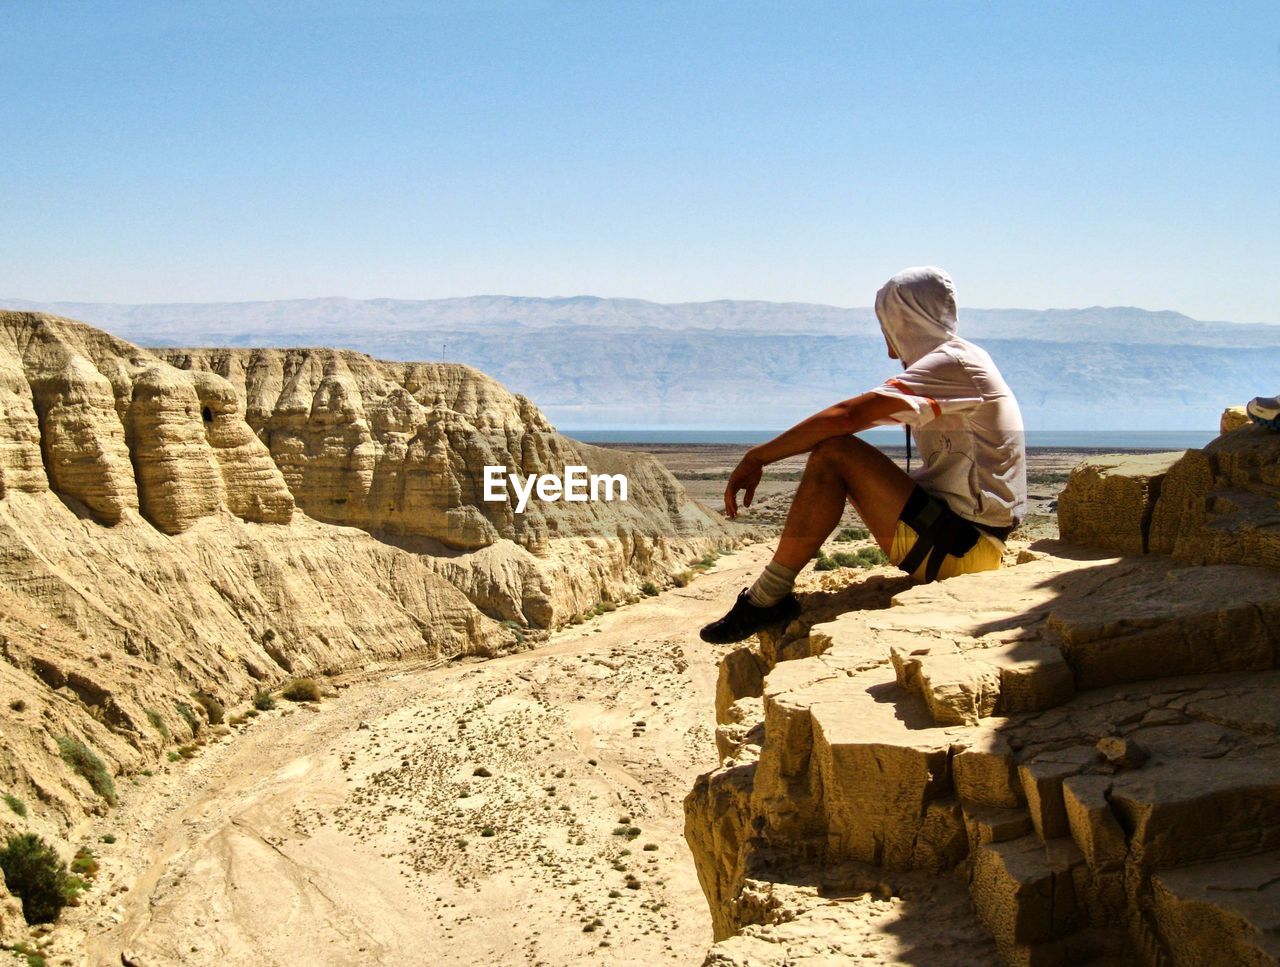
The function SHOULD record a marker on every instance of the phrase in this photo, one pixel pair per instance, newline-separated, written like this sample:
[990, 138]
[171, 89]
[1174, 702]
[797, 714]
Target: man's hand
[746, 476]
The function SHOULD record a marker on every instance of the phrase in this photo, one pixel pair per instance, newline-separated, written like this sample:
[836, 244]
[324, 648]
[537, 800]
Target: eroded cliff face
[1080, 753]
[245, 517]
[399, 450]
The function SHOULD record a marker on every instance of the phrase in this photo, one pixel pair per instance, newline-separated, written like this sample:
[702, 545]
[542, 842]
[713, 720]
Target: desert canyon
[523, 754]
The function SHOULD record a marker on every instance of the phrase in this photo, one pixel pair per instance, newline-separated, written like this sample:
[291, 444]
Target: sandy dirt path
[525, 810]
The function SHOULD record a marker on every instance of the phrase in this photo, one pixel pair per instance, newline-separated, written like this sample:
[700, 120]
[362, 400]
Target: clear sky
[1047, 154]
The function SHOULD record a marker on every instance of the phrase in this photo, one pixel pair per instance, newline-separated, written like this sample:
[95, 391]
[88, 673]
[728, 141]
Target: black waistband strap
[939, 531]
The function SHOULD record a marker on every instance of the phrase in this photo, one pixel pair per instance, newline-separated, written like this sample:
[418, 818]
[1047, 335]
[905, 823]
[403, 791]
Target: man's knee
[834, 452]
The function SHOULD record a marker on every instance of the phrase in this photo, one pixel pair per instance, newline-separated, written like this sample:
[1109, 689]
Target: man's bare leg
[840, 469]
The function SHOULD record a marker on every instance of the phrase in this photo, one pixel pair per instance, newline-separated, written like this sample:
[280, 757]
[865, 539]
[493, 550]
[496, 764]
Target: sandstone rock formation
[1087, 747]
[399, 449]
[1233, 417]
[155, 543]
[1109, 500]
[1218, 505]
[1222, 504]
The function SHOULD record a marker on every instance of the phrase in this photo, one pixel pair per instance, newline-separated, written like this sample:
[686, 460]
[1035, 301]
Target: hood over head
[917, 311]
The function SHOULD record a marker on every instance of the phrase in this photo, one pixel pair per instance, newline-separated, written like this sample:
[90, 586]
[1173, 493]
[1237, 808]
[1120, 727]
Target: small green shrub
[37, 876]
[157, 723]
[867, 557]
[263, 701]
[853, 534]
[86, 762]
[189, 716]
[84, 863]
[302, 690]
[173, 756]
[108, 838]
[16, 804]
[213, 709]
[862, 557]
[34, 957]
[682, 579]
[649, 589]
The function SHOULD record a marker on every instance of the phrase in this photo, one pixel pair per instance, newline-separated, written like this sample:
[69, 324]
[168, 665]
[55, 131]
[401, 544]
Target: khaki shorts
[986, 555]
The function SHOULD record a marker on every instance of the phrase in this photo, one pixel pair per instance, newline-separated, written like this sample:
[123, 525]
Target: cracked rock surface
[1081, 753]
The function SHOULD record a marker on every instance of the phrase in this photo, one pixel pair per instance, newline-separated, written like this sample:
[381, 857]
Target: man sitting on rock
[952, 515]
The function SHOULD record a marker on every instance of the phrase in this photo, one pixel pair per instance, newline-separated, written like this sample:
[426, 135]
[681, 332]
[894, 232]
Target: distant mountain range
[594, 362]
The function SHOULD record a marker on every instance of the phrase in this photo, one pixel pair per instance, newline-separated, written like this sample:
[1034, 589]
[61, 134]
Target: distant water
[1069, 439]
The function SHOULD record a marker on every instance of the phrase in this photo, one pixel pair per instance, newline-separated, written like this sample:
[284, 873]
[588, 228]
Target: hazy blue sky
[1047, 154]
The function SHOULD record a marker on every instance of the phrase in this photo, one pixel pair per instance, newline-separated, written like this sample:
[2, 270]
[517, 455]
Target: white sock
[774, 583]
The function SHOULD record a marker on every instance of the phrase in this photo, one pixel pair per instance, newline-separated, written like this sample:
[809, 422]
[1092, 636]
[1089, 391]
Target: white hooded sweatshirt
[967, 424]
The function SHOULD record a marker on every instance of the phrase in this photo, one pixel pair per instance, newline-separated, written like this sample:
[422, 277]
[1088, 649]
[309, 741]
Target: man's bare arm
[841, 419]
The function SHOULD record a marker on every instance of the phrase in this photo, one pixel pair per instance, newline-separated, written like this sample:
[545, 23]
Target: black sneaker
[745, 619]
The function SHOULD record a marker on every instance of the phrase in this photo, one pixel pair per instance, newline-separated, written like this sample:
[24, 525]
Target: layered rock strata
[1086, 746]
[1109, 500]
[160, 553]
[1222, 504]
[399, 450]
[1216, 505]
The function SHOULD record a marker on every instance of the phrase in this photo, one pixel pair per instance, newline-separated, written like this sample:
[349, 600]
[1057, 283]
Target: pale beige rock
[994, 824]
[741, 676]
[13, 926]
[1042, 785]
[81, 436]
[1233, 418]
[1034, 675]
[957, 690]
[178, 478]
[1108, 500]
[986, 772]
[217, 585]
[886, 781]
[1122, 751]
[399, 448]
[1061, 848]
[1163, 621]
[835, 918]
[1201, 809]
[1219, 505]
[21, 466]
[253, 486]
[1024, 893]
[1094, 826]
[1226, 912]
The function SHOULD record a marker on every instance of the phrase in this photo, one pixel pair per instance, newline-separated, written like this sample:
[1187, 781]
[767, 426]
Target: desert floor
[522, 810]
[525, 809]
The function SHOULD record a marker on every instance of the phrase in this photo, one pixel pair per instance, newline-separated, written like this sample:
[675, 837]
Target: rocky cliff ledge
[222, 524]
[1074, 759]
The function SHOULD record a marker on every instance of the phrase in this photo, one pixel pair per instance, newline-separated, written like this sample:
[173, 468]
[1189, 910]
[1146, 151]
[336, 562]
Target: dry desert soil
[523, 810]
[526, 809]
